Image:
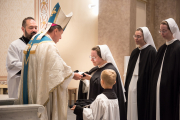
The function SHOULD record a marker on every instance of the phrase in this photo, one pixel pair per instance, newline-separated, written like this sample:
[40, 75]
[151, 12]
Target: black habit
[96, 89]
[82, 95]
[169, 85]
[147, 56]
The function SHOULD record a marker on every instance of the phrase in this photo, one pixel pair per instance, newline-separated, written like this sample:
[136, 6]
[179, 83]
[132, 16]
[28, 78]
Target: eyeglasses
[94, 58]
[164, 31]
[138, 36]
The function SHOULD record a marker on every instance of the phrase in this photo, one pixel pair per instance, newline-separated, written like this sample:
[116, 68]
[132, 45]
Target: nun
[138, 75]
[102, 58]
[164, 95]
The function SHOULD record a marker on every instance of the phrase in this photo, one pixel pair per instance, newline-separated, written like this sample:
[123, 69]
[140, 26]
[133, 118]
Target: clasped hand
[78, 76]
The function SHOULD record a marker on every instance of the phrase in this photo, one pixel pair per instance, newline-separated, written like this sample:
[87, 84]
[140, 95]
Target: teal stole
[26, 64]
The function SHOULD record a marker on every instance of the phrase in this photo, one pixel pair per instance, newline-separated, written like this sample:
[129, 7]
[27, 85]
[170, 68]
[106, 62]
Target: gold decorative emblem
[53, 12]
[29, 47]
[26, 61]
[44, 22]
[44, 3]
[28, 50]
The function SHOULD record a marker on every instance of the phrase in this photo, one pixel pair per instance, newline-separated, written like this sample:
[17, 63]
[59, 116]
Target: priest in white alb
[15, 56]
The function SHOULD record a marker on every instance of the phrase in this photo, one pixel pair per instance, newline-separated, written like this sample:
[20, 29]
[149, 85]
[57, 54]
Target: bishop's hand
[77, 76]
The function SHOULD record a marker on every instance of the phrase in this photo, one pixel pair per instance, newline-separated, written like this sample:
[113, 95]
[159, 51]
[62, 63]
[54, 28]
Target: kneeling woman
[139, 74]
[102, 57]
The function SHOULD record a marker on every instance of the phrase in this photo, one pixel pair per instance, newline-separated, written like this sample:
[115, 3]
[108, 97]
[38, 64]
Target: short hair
[165, 23]
[97, 49]
[54, 27]
[25, 19]
[109, 77]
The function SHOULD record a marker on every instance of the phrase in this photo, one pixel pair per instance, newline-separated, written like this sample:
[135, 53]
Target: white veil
[148, 37]
[106, 55]
[174, 28]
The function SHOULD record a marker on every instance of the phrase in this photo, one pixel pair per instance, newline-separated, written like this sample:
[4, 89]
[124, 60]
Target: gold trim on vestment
[35, 43]
[34, 51]
[26, 60]
[56, 16]
[55, 88]
[29, 47]
[45, 42]
[25, 52]
[31, 52]
[54, 11]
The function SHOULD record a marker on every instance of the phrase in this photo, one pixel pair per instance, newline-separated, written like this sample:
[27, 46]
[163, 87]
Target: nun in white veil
[164, 94]
[138, 75]
[102, 57]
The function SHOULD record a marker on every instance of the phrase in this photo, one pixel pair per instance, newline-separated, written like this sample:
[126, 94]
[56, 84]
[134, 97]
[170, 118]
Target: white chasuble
[102, 109]
[13, 66]
[48, 75]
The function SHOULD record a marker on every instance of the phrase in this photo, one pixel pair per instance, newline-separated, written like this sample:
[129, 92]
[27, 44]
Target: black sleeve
[18, 72]
[78, 111]
[148, 85]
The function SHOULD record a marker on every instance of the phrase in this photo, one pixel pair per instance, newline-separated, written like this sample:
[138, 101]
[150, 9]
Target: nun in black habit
[103, 59]
[84, 85]
[164, 95]
[138, 75]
